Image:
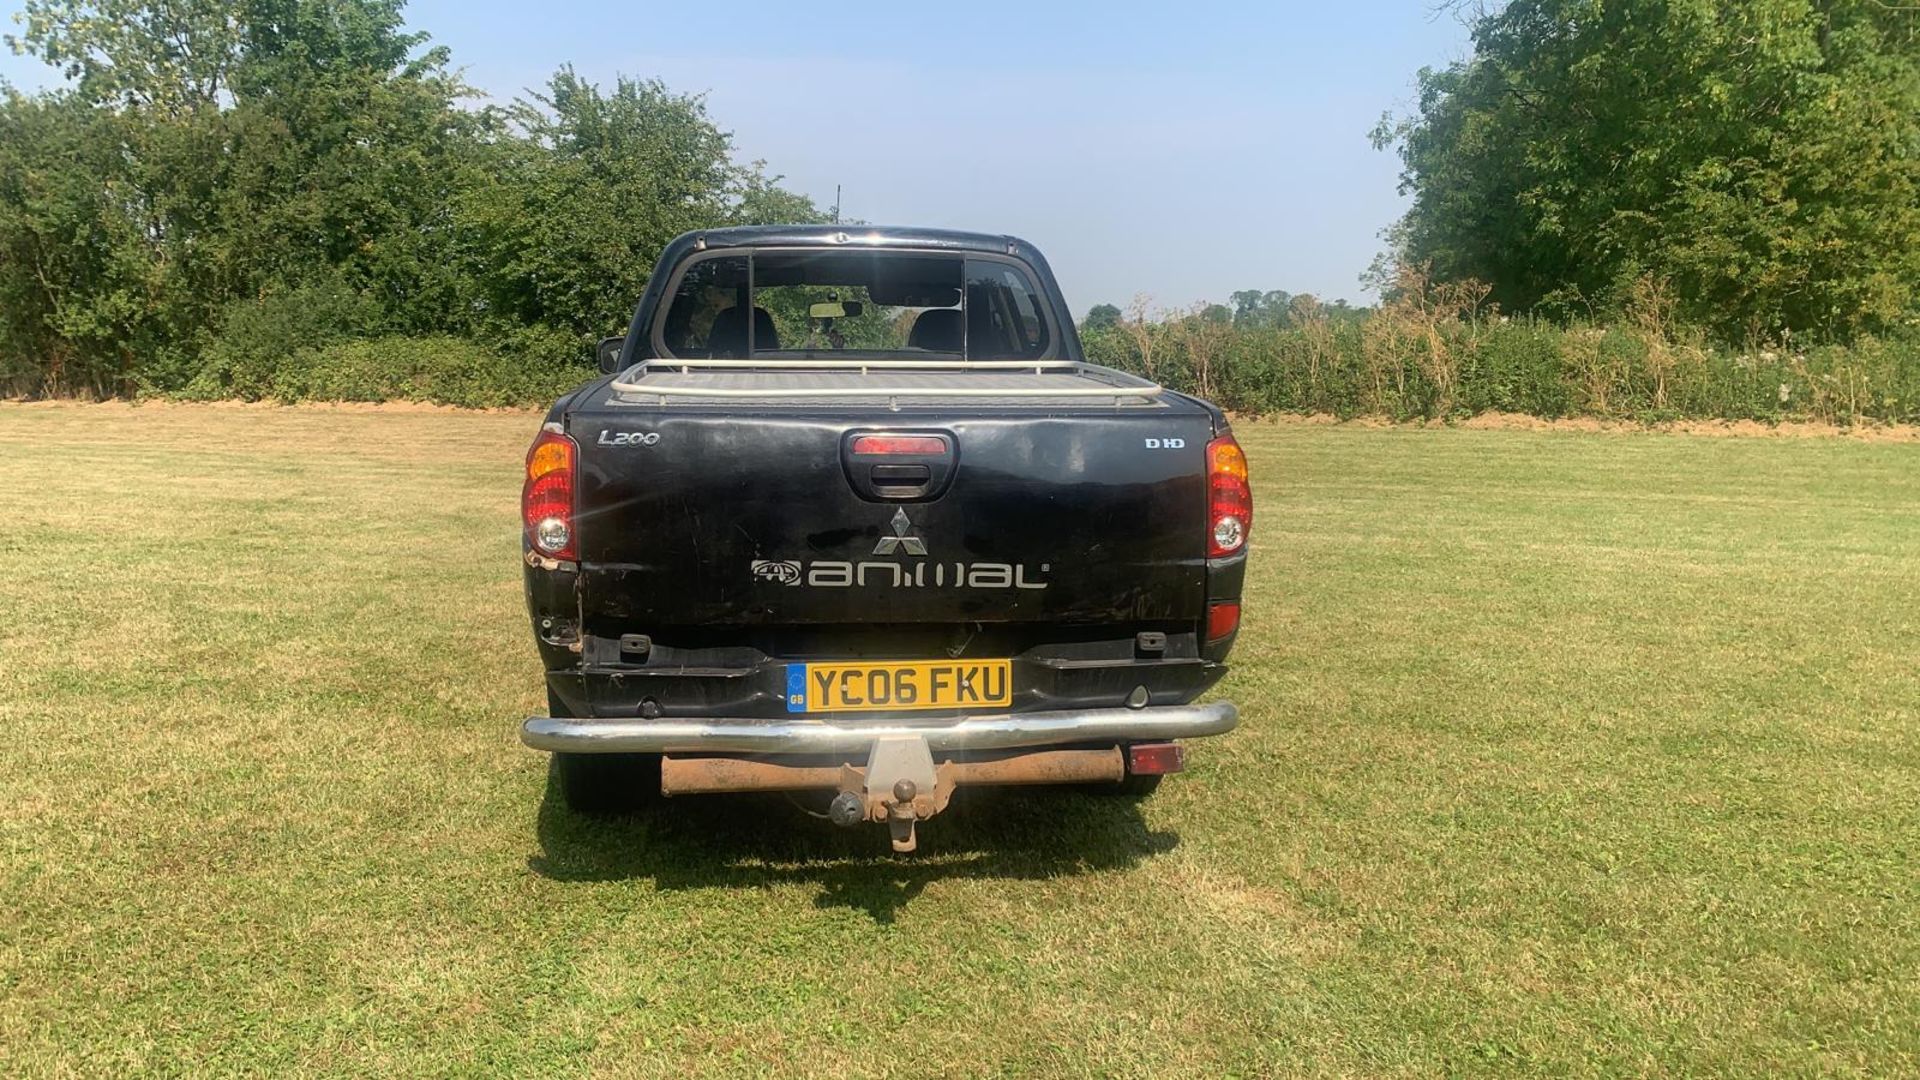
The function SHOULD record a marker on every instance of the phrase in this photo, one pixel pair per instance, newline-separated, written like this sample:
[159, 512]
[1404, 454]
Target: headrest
[728, 338]
[938, 330]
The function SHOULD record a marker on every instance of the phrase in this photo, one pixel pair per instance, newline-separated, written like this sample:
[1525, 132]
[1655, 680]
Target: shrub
[1434, 354]
[1516, 367]
[259, 338]
[443, 370]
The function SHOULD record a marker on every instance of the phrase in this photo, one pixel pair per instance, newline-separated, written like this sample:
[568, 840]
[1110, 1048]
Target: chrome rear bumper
[1000, 731]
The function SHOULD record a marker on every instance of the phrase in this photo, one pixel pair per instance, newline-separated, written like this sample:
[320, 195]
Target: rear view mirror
[835, 309]
[608, 353]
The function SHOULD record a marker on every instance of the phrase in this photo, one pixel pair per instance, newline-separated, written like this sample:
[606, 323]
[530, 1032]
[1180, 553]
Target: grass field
[1561, 753]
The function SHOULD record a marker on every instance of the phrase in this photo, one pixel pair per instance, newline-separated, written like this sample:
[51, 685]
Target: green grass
[1561, 753]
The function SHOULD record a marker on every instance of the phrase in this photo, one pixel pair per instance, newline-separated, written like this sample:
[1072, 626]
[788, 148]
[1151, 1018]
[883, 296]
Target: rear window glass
[798, 305]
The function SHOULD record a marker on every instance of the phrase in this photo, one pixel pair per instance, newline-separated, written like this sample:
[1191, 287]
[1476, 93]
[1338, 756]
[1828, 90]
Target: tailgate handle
[898, 466]
[900, 475]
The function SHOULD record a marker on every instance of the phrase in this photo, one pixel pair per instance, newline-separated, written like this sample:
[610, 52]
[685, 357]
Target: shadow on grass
[761, 841]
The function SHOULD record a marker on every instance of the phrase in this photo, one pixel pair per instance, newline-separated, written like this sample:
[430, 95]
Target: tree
[561, 219]
[75, 285]
[181, 55]
[174, 56]
[564, 218]
[1253, 307]
[209, 153]
[758, 199]
[1762, 157]
[262, 163]
[1100, 318]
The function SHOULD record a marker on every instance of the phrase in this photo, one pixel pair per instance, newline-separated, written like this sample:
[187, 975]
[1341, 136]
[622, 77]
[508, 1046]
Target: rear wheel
[604, 783]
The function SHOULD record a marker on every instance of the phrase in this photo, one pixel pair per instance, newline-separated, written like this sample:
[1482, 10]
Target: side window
[1032, 326]
[1006, 317]
[706, 317]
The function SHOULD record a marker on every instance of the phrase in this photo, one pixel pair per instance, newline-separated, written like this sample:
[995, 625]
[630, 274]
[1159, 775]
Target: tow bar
[899, 786]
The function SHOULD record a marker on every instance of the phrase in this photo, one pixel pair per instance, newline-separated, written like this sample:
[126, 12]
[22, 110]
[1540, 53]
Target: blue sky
[1184, 151]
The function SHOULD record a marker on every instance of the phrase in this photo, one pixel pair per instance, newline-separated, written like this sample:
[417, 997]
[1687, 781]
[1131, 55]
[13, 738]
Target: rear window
[855, 304]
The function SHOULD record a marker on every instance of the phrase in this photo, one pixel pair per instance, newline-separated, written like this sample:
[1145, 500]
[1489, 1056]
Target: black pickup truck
[849, 513]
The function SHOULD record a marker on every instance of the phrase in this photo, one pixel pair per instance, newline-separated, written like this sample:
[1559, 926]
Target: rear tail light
[1229, 498]
[546, 502]
[1222, 620]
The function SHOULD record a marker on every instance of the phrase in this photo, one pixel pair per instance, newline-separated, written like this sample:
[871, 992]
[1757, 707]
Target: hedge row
[1386, 363]
[1386, 366]
[315, 345]
[443, 370]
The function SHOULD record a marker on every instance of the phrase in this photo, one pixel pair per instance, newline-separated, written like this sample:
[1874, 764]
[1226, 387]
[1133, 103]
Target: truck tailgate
[694, 517]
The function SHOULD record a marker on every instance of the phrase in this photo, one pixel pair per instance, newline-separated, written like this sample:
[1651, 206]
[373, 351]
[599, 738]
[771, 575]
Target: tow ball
[900, 786]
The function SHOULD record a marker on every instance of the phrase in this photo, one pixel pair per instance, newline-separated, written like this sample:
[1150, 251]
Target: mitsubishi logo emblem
[890, 544]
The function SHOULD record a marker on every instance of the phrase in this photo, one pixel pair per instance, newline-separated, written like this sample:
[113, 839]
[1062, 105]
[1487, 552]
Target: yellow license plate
[916, 684]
